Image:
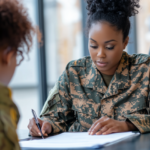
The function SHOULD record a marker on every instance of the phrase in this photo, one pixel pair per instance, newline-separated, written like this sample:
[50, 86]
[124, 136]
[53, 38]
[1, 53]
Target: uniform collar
[119, 81]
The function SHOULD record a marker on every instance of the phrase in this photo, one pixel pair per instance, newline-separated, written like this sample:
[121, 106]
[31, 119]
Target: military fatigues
[9, 117]
[80, 97]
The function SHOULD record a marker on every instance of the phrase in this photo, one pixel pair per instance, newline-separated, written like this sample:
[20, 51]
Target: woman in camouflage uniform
[15, 35]
[108, 91]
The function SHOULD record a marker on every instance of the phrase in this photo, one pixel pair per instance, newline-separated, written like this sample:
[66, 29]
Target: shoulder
[78, 67]
[137, 59]
[7, 106]
[5, 95]
[82, 62]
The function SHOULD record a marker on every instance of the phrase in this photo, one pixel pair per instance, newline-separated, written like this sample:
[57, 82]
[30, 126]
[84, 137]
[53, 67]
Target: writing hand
[107, 125]
[46, 127]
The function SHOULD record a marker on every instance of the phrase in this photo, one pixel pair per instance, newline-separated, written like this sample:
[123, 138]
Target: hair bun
[123, 8]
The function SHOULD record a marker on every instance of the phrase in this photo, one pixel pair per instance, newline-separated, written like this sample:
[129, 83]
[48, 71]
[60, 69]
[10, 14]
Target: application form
[76, 140]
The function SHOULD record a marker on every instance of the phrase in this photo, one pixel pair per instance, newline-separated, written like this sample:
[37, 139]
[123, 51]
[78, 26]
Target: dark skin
[106, 46]
[46, 127]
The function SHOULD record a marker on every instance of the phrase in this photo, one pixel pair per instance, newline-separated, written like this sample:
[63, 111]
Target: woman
[16, 33]
[108, 91]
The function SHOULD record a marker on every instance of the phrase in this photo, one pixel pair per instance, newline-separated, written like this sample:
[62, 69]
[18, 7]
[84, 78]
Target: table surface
[140, 142]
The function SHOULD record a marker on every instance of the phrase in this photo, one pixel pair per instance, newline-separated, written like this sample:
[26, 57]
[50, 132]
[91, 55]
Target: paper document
[75, 140]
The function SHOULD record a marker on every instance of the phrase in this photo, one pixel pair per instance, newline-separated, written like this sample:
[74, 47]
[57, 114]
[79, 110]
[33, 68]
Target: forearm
[57, 125]
[60, 121]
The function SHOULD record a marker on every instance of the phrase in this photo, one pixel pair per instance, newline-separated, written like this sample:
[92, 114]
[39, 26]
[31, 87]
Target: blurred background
[62, 23]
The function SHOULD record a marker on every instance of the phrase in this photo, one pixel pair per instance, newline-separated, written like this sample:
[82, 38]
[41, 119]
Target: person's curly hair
[116, 12]
[16, 30]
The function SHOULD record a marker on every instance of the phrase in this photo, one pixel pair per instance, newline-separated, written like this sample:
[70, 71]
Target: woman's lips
[101, 64]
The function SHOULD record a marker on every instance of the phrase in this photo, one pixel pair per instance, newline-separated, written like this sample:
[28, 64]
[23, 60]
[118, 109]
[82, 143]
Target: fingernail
[39, 133]
[91, 133]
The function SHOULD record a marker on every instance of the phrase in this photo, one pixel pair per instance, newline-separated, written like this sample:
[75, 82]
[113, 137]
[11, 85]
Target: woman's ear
[126, 42]
[7, 57]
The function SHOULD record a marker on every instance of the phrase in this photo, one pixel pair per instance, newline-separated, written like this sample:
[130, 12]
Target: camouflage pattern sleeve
[141, 121]
[51, 102]
[141, 118]
[139, 105]
[57, 109]
[9, 117]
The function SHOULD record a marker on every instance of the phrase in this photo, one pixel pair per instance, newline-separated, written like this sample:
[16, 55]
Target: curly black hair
[116, 12]
[16, 29]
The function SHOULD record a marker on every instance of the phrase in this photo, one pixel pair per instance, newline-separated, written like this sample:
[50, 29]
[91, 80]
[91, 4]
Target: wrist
[125, 126]
[130, 126]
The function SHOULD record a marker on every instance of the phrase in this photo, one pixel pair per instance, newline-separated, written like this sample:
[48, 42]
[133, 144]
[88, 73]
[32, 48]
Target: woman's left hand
[107, 125]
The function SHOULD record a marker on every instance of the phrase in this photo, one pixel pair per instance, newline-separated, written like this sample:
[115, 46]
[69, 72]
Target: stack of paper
[75, 140]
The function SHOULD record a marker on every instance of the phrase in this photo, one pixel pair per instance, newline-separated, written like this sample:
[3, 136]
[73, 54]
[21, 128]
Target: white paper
[74, 140]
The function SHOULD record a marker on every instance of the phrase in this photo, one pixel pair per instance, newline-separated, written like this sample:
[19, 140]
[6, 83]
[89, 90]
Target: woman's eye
[95, 47]
[110, 48]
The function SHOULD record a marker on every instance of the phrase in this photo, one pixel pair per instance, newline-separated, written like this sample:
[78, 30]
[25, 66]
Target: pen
[37, 122]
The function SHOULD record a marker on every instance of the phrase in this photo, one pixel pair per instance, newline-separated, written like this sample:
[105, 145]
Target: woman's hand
[46, 127]
[107, 125]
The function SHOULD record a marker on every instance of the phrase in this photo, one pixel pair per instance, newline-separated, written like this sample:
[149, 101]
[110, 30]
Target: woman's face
[106, 46]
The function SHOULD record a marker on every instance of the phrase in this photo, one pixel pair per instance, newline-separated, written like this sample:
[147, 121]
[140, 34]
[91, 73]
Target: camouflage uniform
[9, 117]
[80, 97]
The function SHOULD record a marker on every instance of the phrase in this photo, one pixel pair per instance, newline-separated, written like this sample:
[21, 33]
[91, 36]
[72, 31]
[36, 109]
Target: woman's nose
[101, 53]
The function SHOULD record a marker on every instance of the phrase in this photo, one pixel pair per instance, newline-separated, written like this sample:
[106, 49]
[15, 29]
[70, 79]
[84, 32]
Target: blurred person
[16, 33]
[106, 92]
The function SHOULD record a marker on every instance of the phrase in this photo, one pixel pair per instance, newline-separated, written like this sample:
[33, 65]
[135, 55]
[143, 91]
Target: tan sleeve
[51, 101]
[56, 111]
[8, 136]
[141, 121]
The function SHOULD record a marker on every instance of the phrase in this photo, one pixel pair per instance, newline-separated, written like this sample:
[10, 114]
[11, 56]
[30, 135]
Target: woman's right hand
[46, 127]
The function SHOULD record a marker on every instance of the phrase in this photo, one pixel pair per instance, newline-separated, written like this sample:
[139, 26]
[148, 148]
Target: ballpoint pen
[37, 122]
